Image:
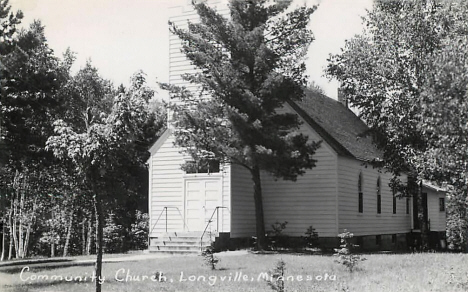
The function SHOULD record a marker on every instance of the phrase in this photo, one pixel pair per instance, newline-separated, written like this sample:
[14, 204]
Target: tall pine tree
[249, 65]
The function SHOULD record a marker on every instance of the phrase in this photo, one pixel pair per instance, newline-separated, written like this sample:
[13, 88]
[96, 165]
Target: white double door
[202, 196]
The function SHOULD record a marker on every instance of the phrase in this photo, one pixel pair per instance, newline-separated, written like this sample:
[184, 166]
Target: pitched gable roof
[337, 125]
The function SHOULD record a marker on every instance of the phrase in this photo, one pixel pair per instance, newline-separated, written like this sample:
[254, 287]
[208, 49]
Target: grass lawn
[243, 272]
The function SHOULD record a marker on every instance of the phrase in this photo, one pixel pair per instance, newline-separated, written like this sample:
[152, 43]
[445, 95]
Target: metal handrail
[216, 210]
[165, 209]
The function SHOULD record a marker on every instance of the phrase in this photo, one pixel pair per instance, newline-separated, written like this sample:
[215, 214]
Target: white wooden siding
[368, 222]
[311, 200]
[242, 203]
[226, 200]
[167, 188]
[437, 218]
[167, 180]
[178, 63]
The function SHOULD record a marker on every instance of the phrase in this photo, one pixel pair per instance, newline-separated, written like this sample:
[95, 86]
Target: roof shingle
[338, 126]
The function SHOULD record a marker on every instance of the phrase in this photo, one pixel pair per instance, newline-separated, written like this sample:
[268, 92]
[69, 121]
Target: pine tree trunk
[2, 258]
[99, 239]
[259, 216]
[90, 235]
[10, 223]
[52, 240]
[83, 236]
[69, 231]
[3, 209]
[96, 243]
[52, 248]
[15, 240]
[20, 228]
[26, 240]
[14, 234]
[464, 225]
[28, 229]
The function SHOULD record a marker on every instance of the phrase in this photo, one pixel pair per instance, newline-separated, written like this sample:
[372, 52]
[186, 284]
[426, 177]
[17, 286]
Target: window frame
[360, 195]
[208, 166]
[408, 205]
[442, 205]
[379, 196]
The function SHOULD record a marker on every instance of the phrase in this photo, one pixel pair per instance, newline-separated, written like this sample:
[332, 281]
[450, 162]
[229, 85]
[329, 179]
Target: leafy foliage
[113, 235]
[45, 197]
[406, 74]
[457, 224]
[139, 230]
[106, 146]
[314, 87]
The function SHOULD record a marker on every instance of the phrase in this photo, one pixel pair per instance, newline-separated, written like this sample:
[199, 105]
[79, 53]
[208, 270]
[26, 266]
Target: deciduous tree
[101, 149]
[406, 74]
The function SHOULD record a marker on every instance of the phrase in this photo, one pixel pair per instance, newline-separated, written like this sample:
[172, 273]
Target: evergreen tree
[249, 65]
[30, 77]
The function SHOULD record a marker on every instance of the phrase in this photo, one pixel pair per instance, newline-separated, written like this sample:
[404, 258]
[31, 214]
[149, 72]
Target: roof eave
[340, 149]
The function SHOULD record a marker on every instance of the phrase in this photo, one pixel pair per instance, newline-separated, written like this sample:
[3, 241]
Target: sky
[121, 37]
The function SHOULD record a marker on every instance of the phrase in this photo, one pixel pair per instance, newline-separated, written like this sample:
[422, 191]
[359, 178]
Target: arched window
[360, 195]
[379, 196]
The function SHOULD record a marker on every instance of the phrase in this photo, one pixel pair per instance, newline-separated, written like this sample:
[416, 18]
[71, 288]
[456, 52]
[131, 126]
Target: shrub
[210, 259]
[139, 231]
[457, 222]
[208, 254]
[344, 253]
[276, 280]
[276, 237]
[113, 235]
[311, 238]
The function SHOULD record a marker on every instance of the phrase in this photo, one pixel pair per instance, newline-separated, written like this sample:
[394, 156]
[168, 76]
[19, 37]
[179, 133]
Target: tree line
[71, 146]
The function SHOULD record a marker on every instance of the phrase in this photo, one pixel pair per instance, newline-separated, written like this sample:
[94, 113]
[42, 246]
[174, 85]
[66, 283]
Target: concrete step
[183, 234]
[176, 252]
[180, 239]
[185, 239]
[175, 247]
[179, 242]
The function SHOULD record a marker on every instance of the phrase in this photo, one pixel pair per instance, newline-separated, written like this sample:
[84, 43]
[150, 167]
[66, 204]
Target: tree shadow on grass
[42, 267]
[323, 252]
[43, 285]
[332, 252]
